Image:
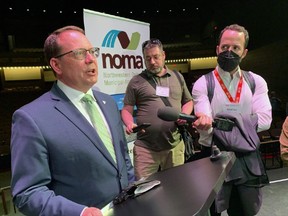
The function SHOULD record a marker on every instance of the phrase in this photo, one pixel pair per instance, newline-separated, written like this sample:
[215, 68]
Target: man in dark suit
[60, 165]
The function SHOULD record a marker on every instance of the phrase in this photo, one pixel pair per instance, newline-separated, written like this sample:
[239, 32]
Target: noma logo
[122, 61]
[126, 43]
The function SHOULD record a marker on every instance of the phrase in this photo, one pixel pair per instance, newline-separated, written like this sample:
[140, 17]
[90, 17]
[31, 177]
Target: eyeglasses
[81, 53]
[153, 41]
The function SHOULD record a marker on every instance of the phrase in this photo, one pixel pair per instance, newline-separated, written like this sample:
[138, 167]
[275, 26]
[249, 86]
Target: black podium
[185, 190]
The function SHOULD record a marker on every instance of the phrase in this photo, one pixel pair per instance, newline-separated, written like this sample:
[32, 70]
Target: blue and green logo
[125, 42]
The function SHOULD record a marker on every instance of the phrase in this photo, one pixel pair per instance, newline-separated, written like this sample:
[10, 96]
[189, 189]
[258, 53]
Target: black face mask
[228, 60]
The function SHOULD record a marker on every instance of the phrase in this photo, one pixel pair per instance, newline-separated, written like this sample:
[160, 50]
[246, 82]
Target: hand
[91, 211]
[203, 122]
[129, 128]
[181, 121]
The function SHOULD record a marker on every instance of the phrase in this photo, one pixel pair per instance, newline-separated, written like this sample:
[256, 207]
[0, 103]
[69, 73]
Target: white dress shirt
[75, 97]
[249, 104]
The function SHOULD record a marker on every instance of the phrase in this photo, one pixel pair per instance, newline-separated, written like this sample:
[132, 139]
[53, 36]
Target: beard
[156, 70]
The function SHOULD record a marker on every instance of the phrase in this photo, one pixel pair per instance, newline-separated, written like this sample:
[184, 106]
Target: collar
[73, 94]
[223, 73]
[151, 75]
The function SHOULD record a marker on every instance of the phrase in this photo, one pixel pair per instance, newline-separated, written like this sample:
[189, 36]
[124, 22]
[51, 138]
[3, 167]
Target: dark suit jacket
[248, 169]
[59, 163]
[244, 141]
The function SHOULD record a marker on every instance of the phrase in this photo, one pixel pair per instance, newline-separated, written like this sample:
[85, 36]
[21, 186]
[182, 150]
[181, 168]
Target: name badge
[232, 108]
[162, 91]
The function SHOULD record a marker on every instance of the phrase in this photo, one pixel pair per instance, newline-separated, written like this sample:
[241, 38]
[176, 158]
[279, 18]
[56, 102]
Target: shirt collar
[151, 75]
[73, 94]
[223, 73]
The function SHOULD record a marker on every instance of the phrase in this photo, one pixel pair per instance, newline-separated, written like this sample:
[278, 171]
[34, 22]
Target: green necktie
[99, 124]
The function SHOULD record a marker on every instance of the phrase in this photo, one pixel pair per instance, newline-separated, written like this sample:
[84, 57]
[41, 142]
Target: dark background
[187, 28]
[171, 21]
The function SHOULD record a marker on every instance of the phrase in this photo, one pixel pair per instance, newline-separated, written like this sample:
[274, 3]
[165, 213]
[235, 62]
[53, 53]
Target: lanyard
[239, 88]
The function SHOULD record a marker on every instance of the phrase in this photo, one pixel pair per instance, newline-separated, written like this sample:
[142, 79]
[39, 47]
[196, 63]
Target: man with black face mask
[228, 60]
[233, 96]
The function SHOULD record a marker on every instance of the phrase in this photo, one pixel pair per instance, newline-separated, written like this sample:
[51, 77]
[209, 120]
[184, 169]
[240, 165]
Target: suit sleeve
[31, 173]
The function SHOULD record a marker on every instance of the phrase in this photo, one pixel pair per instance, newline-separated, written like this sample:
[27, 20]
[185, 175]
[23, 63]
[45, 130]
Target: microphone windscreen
[168, 114]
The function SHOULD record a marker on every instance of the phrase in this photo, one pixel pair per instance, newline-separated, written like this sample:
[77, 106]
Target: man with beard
[232, 95]
[160, 146]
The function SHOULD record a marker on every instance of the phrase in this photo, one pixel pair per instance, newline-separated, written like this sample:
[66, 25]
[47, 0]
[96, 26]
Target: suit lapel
[107, 110]
[66, 107]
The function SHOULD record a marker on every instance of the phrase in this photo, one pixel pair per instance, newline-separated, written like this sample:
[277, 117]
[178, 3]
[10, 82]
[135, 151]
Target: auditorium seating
[270, 146]
[12, 99]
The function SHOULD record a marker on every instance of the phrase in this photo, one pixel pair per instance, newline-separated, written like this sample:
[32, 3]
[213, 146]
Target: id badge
[232, 108]
[162, 91]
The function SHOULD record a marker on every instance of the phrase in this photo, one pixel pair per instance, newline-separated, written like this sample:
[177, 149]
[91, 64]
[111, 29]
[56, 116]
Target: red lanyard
[238, 92]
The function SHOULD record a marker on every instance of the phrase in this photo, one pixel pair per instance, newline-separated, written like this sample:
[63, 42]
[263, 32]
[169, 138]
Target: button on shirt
[257, 104]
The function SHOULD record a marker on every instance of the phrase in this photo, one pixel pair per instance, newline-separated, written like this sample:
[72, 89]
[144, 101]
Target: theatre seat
[6, 191]
[264, 136]
[270, 152]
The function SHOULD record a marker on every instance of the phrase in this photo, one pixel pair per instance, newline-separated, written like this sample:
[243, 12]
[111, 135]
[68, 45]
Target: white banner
[119, 40]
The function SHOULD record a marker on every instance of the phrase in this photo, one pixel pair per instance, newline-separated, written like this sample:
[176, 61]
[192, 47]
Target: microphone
[170, 114]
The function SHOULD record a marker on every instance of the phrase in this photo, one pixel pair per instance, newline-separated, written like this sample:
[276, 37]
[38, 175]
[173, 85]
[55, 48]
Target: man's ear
[244, 53]
[217, 50]
[164, 54]
[55, 64]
